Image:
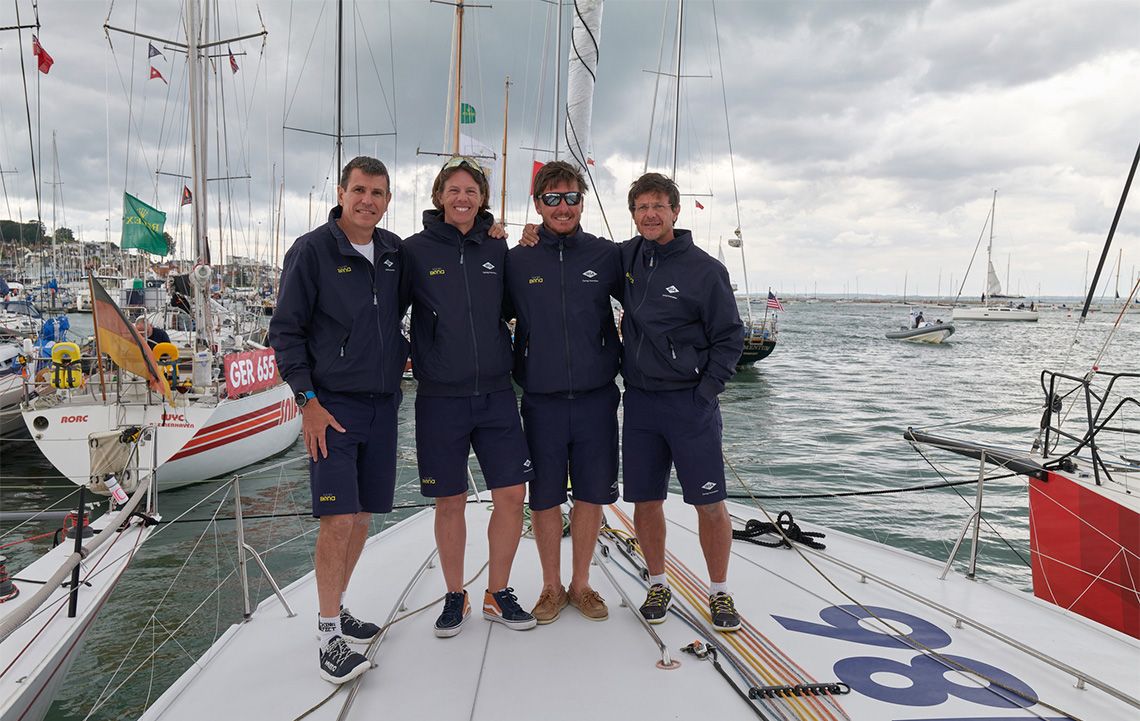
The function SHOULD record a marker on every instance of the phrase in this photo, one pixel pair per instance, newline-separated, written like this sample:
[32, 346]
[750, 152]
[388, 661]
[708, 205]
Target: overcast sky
[867, 137]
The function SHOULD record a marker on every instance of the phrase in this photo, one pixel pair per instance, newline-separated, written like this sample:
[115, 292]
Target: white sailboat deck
[575, 668]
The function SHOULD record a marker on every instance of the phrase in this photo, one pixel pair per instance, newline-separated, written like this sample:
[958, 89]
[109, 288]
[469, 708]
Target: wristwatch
[304, 397]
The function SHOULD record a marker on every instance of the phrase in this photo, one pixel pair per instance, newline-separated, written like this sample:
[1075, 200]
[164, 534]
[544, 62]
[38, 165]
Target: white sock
[327, 628]
[715, 588]
[662, 579]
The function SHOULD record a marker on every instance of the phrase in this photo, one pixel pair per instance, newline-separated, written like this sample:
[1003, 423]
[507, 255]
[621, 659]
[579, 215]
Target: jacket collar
[436, 228]
[382, 241]
[549, 238]
[682, 241]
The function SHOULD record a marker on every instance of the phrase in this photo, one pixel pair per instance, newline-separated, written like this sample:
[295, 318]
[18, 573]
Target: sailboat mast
[677, 98]
[557, 76]
[197, 134]
[1119, 256]
[458, 71]
[503, 173]
[339, 83]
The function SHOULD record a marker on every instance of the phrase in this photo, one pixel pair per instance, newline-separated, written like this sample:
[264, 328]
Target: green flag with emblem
[466, 114]
[142, 226]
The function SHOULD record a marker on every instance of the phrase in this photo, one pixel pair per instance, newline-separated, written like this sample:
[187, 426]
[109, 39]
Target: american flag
[774, 302]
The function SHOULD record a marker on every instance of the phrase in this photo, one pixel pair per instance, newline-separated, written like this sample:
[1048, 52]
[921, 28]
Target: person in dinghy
[566, 358]
[461, 357]
[337, 340]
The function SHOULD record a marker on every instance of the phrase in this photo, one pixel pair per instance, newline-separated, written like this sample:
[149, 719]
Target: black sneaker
[456, 609]
[656, 603]
[356, 631]
[723, 611]
[503, 606]
[339, 663]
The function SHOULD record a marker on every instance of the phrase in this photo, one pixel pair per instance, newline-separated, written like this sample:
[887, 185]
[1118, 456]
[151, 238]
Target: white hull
[996, 313]
[35, 658]
[11, 395]
[235, 431]
[798, 629]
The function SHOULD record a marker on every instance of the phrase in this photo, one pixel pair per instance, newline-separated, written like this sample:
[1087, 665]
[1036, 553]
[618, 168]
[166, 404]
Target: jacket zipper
[379, 325]
[565, 325]
[644, 297]
[470, 315]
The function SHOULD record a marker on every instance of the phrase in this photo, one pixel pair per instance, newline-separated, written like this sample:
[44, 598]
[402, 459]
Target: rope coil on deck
[785, 527]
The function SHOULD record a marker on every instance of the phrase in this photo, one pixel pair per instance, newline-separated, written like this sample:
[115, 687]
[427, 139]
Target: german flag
[118, 338]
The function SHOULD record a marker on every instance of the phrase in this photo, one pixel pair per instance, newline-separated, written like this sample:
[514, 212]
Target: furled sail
[582, 72]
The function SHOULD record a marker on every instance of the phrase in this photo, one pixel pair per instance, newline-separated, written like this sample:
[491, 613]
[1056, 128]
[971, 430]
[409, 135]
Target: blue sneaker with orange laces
[503, 607]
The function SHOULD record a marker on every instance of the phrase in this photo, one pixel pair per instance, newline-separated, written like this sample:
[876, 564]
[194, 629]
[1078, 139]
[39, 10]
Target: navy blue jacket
[681, 327]
[559, 291]
[461, 345]
[337, 322]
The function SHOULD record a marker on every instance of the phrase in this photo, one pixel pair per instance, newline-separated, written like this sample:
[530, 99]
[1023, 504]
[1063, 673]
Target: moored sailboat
[228, 399]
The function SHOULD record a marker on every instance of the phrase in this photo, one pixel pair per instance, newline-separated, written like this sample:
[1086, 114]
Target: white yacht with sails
[991, 307]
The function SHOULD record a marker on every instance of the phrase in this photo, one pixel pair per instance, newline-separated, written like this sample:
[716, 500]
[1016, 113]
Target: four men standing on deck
[345, 287]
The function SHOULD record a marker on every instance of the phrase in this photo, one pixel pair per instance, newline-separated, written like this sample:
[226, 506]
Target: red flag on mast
[233, 63]
[187, 198]
[43, 60]
[155, 74]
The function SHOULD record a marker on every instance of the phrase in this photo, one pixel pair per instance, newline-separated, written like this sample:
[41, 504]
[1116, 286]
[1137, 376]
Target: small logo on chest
[589, 276]
[489, 268]
[535, 279]
[344, 269]
[437, 271]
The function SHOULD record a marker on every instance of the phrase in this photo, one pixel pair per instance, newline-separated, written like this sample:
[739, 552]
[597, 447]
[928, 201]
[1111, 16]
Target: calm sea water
[823, 414]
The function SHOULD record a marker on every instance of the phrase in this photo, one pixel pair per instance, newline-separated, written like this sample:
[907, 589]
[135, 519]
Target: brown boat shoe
[550, 604]
[590, 604]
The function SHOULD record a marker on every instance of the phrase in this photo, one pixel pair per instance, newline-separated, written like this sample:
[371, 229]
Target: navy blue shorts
[579, 436]
[360, 471]
[671, 427]
[448, 427]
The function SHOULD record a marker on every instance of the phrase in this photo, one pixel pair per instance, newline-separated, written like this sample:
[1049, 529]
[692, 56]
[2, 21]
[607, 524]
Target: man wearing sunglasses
[461, 356]
[566, 358]
[336, 334]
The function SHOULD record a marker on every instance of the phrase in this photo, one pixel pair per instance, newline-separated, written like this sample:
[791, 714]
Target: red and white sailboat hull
[241, 431]
[189, 443]
[1084, 540]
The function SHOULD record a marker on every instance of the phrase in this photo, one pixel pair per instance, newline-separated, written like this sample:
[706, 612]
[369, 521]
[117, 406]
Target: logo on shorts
[535, 279]
[428, 481]
[328, 498]
[708, 487]
[526, 464]
[437, 271]
[589, 276]
[344, 269]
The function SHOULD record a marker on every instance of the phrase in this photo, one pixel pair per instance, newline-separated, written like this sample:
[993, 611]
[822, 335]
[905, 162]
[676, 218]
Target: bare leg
[715, 529]
[356, 539]
[547, 525]
[584, 526]
[451, 538]
[649, 522]
[503, 534]
[332, 570]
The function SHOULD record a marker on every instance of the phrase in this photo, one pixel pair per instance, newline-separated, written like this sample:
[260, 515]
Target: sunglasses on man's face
[462, 161]
[552, 200]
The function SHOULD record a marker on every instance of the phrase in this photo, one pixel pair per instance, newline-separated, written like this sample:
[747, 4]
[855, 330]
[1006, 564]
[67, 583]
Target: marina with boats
[919, 532]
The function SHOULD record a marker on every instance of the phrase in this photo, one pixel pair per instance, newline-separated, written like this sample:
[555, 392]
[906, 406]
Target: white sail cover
[993, 285]
[584, 41]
